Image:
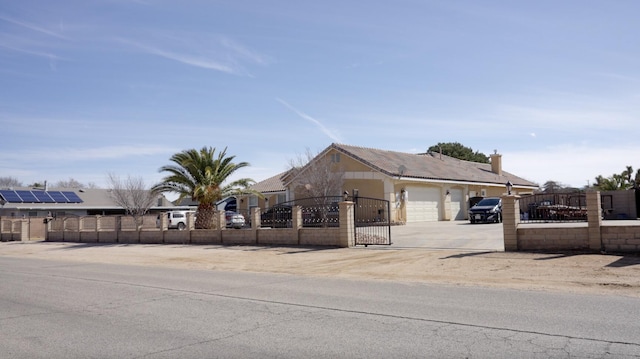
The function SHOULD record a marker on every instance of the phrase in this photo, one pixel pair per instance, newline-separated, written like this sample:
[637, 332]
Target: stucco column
[510, 221]
[255, 217]
[164, 221]
[594, 219]
[296, 217]
[191, 221]
[220, 220]
[347, 225]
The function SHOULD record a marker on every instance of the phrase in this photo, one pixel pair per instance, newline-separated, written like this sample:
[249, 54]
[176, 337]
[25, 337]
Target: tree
[132, 195]
[317, 176]
[619, 182]
[72, 183]
[200, 175]
[320, 177]
[457, 150]
[557, 187]
[7, 182]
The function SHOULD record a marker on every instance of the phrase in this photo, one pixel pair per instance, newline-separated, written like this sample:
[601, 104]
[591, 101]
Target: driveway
[449, 235]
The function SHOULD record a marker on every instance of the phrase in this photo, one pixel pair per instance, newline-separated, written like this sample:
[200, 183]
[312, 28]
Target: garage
[457, 204]
[423, 204]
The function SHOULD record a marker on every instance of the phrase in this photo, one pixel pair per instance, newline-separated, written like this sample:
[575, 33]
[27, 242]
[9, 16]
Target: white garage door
[457, 204]
[423, 204]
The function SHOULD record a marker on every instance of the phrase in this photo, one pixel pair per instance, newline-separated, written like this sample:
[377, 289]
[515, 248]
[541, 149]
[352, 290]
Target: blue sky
[116, 86]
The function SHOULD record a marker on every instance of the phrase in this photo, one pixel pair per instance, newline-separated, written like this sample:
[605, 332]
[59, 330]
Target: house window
[281, 198]
[33, 214]
[335, 157]
[253, 201]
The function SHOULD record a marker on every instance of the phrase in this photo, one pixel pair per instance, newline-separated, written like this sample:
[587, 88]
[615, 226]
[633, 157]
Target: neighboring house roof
[430, 166]
[92, 199]
[271, 184]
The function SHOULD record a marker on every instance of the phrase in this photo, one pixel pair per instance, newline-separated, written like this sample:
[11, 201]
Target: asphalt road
[55, 309]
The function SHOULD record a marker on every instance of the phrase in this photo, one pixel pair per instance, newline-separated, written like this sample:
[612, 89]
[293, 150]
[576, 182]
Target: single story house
[420, 187]
[38, 202]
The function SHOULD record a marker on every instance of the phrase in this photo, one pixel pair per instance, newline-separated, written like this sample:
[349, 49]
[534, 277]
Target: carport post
[510, 220]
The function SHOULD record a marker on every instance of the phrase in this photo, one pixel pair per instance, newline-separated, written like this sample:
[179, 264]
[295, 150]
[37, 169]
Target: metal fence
[316, 212]
[371, 217]
[553, 207]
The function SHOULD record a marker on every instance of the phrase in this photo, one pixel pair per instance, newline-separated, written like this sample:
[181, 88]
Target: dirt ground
[607, 274]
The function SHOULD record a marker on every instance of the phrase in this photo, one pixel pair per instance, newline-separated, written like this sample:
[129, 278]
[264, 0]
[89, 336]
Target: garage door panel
[457, 204]
[423, 204]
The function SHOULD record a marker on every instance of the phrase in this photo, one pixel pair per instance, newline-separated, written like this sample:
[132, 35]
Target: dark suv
[487, 210]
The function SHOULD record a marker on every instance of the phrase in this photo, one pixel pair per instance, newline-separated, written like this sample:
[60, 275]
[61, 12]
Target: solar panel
[57, 196]
[10, 196]
[43, 197]
[27, 197]
[72, 197]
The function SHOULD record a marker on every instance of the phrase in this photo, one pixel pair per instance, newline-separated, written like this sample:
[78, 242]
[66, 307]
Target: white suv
[176, 219]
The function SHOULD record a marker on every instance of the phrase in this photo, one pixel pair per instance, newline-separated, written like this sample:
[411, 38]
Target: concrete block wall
[320, 236]
[537, 239]
[592, 236]
[621, 238]
[277, 236]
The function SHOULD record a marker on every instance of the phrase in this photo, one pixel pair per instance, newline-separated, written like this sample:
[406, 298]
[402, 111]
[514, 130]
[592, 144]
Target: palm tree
[200, 175]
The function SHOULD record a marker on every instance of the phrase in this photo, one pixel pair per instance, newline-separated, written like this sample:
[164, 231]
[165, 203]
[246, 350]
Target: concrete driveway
[449, 235]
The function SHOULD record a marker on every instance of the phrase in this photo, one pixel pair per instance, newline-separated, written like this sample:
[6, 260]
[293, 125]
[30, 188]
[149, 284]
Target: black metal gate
[372, 221]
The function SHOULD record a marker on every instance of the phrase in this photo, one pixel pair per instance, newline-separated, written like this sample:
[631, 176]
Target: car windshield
[488, 202]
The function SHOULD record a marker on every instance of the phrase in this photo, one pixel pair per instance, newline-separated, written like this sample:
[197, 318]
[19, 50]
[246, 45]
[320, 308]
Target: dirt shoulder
[578, 273]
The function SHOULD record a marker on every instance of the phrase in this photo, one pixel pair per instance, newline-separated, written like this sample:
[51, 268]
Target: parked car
[486, 211]
[175, 219]
[234, 219]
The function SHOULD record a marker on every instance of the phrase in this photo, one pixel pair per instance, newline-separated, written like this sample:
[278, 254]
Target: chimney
[496, 163]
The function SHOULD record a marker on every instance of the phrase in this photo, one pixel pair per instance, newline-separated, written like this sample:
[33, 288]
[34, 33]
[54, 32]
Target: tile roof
[271, 184]
[433, 166]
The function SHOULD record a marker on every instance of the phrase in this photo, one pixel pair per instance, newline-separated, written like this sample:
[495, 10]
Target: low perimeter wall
[261, 236]
[118, 229]
[593, 235]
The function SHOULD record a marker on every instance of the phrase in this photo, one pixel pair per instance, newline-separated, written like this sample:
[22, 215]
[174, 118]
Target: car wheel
[181, 226]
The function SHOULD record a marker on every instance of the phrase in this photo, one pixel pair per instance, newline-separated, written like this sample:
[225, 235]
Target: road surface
[59, 309]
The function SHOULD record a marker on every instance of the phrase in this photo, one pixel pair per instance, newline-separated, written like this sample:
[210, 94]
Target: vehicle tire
[181, 226]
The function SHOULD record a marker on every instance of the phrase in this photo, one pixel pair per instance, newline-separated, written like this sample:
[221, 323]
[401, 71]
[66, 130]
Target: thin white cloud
[47, 55]
[83, 154]
[32, 27]
[322, 127]
[184, 58]
[210, 52]
[243, 51]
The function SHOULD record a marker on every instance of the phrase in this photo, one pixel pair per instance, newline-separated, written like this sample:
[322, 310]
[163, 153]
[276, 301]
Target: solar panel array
[24, 196]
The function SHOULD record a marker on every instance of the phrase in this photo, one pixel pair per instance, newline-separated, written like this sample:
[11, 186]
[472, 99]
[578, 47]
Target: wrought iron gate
[372, 221]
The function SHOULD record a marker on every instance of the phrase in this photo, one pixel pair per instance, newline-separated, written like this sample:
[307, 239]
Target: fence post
[510, 220]
[296, 217]
[190, 221]
[347, 225]
[594, 219]
[255, 217]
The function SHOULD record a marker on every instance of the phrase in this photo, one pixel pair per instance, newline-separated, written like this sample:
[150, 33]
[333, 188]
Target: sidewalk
[578, 273]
